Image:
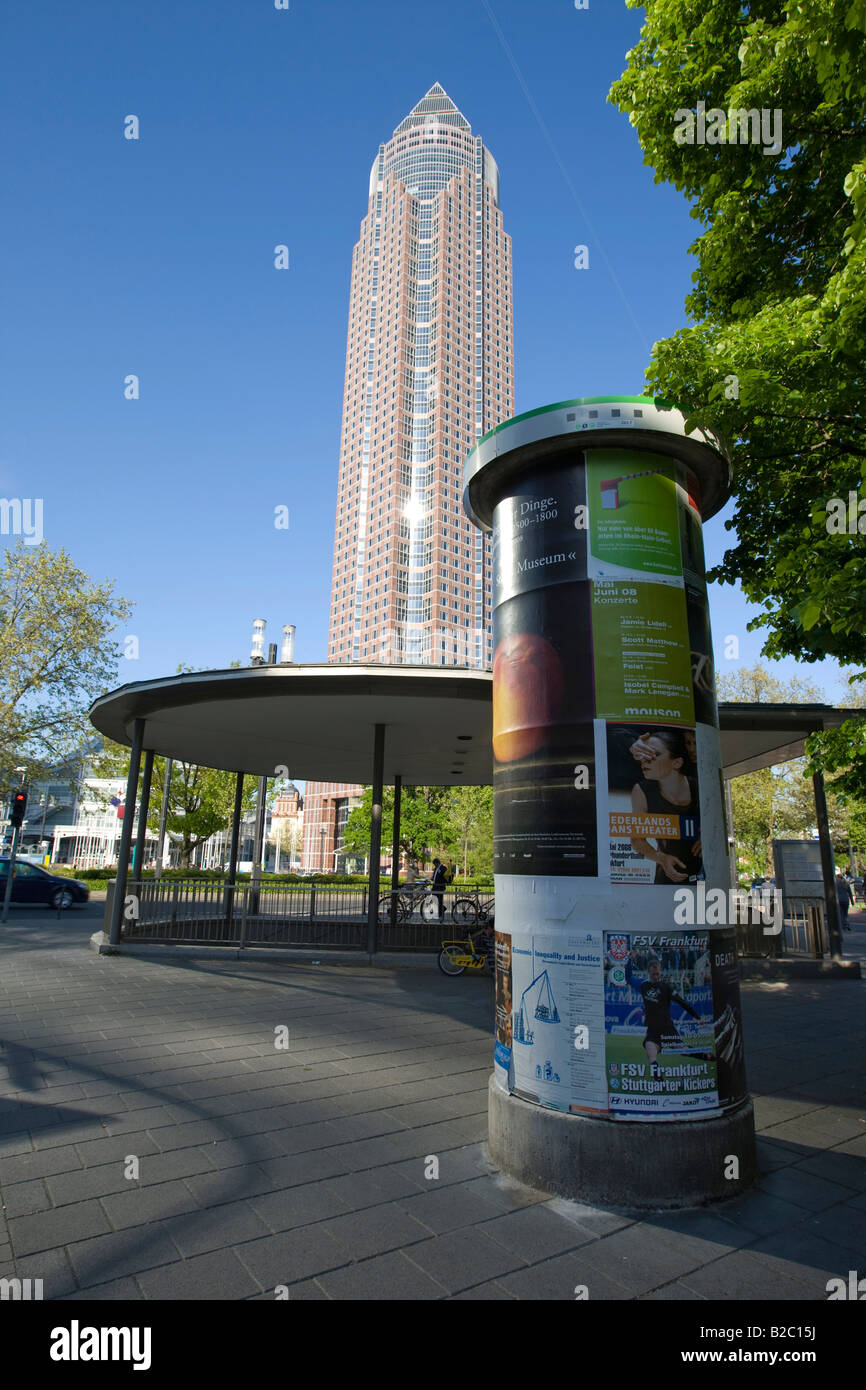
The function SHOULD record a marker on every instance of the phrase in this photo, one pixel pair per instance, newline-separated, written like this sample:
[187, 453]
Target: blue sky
[155, 257]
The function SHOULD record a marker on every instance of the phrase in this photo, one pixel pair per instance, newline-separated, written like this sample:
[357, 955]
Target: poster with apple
[543, 744]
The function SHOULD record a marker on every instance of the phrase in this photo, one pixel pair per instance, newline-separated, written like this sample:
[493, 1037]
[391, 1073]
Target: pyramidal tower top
[430, 145]
[435, 107]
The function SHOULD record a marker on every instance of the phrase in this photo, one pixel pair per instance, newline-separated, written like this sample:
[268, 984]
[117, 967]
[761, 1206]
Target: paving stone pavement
[156, 1144]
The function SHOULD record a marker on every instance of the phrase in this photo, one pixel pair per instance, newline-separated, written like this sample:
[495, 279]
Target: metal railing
[270, 914]
[806, 927]
[804, 932]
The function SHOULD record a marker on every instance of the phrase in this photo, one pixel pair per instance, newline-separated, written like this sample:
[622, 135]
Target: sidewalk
[308, 1167]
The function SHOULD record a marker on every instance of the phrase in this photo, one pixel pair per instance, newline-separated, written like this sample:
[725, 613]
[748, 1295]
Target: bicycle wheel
[464, 913]
[385, 909]
[446, 961]
[430, 908]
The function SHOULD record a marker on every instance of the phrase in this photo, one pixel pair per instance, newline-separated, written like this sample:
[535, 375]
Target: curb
[99, 943]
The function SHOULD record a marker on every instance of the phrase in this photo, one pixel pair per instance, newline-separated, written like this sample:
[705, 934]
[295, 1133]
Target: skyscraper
[429, 368]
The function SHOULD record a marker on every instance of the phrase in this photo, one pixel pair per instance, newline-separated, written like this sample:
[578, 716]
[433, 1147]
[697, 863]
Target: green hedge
[102, 876]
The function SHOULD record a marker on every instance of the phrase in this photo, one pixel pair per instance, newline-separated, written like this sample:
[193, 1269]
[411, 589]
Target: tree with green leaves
[469, 812]
[761, 800]
[778, 802]
[57, 655]
[424, 829]
[455, 823]
[773, 355]
[757, 685]
[200, 802]
[356, 835]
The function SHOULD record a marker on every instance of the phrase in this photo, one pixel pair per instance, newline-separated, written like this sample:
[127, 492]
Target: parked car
[34, 885]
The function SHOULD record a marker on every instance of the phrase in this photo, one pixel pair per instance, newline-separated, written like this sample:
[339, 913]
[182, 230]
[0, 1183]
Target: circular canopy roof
[317, 721]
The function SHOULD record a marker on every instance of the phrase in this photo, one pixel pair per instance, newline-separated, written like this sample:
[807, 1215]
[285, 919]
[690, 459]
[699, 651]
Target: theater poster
[653, 804]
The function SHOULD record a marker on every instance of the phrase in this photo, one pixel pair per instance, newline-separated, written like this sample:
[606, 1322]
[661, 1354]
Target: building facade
[429, 368]
[287, 829]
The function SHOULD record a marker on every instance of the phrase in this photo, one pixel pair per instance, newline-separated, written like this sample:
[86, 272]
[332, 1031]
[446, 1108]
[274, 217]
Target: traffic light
[19, 806]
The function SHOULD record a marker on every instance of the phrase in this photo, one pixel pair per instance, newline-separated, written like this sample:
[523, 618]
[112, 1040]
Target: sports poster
[672, 1023]
[659, 1034]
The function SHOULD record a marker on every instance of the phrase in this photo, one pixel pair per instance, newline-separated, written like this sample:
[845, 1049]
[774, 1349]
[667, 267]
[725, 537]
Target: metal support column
[732, 841]
[143, 805]
[126, 832]
[10, 874]
[232, 872]
[231, 875]
[258, 845]
[395, 847]
[375, 839]
[831, 902]
[163, 815]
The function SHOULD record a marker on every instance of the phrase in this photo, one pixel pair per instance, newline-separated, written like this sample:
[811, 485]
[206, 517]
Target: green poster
[633, 514]
[640, 638]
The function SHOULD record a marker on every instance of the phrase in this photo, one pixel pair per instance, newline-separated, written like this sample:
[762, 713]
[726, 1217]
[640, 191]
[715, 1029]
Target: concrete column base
[618, 1162]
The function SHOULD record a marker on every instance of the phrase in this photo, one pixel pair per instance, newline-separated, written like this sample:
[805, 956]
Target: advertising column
[609, 829]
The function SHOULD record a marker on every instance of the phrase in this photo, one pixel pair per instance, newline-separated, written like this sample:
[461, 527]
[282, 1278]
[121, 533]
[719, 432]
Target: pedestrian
[844, 897]
[440, 878]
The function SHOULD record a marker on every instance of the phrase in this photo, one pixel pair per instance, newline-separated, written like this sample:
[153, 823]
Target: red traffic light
[19, 806]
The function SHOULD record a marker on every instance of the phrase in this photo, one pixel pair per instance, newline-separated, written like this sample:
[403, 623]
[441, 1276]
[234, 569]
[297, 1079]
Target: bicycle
[409, 899]
[476, 952]
[472, 908]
